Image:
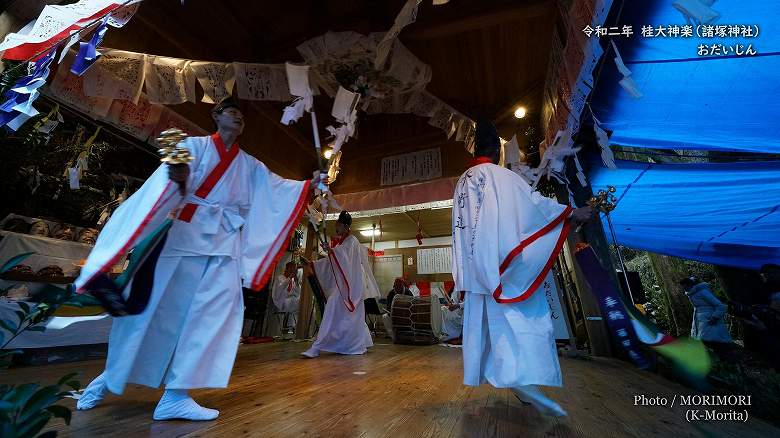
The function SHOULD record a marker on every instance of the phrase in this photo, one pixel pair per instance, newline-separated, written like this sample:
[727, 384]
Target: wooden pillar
[669, 271]
[305, 305]
[595, 326]
[592, 234]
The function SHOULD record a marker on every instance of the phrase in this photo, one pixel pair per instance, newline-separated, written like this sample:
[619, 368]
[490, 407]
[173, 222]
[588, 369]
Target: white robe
[188, 335]
[452, 320]
[287, 294]
[346, 279]
[505, 240]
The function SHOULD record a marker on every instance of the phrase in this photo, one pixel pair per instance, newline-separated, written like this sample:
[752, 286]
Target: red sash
[334, 263]
[226, 157]
[337, 240]
[563, 217]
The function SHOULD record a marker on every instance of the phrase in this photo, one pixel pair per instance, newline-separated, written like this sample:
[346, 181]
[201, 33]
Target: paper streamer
[88, 53]
[627, 83]
[607, 157]
[406, 16]
[298, 82]
[167, 81]
[117, 75]
[216, 79]
[17, 107]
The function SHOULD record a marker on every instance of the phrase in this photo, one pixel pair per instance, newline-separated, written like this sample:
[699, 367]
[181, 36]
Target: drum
[412, 320]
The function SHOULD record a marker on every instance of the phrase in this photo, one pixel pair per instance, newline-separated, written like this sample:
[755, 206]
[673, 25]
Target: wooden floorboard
[393, 391]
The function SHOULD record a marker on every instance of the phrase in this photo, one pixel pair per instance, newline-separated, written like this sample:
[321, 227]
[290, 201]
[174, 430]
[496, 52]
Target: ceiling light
[520, 112]
[327, 153]
[368, 233]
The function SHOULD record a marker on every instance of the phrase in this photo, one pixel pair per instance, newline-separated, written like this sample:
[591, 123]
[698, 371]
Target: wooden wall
[410, 272]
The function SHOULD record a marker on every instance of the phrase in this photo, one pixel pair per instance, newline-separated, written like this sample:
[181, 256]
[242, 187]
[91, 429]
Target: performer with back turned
[505, 239]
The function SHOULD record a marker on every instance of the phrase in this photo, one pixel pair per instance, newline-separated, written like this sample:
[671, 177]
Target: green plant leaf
[37, 328]
[20, 394]
[34, 425]
[60, 412]
[24, 306]
[48, 434]
[42, 399]
[74, 384]
[7, 429]
[14, 261]
[66, 377]
[6, 406]
[4, 353]
[7, 326]
[21, 315]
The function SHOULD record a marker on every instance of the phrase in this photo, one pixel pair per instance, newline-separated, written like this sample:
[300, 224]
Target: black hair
[486, 142]
[225, 103]
[345, 218]
[688, 282]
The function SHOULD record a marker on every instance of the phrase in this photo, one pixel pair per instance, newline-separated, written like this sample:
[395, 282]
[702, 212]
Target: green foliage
[740, 372]
[658, 309]
[15, 260]
[12, 72]
[34, 174]
[26, 408]
[29, 316]
[661, 308]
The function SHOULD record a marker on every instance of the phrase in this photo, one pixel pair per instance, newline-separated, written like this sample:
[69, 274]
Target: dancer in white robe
[287, 289]
[286, 293]
[347, 279]
[452, 317]
[505, 239]
[229, 228]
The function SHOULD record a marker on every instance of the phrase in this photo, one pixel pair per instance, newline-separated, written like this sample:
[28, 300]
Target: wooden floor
[392, 391]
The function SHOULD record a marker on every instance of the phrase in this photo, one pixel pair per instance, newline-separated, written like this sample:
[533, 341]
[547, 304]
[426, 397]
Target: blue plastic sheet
[725, 214]
[727, 103]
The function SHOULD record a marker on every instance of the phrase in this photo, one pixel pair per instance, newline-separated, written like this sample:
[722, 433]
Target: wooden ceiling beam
[418, 142]
[182, 42]
[425, 29]
[273, 117]
[508, 111]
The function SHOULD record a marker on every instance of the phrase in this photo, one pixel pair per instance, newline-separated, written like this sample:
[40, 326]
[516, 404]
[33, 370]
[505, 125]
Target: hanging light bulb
[327, 153]
[520, 112]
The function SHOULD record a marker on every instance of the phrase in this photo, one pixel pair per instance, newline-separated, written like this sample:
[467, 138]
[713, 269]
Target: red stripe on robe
[276, 251]
[563, 217]
[449, 286]
[226, 159]
[134, 236]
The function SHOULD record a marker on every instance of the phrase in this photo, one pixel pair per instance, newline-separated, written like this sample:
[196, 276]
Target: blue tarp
[713, 103]
[720, 213]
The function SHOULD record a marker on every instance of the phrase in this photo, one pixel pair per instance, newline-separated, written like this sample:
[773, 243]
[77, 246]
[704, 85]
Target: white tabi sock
[176, 404]
[531, 394]
[93, 394]
[311, 353]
